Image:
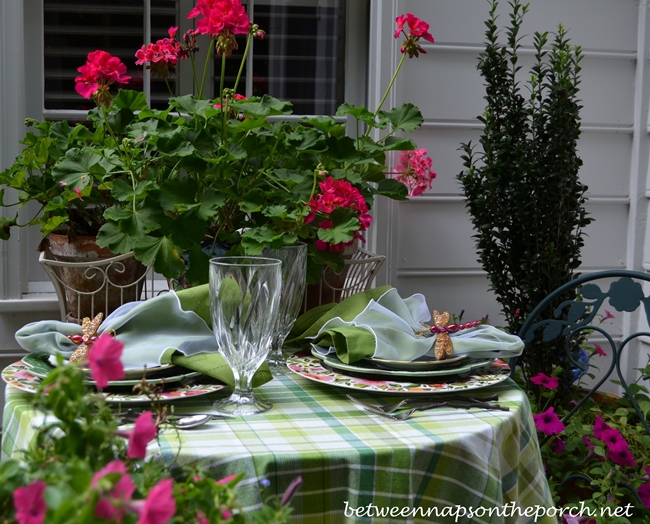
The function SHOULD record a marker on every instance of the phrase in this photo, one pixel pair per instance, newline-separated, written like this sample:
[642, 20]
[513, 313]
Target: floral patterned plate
[312, 368]
[18, 376]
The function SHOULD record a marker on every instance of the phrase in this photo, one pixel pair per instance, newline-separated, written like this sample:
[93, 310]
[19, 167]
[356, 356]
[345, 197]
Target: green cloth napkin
[310, 323]
[213, 365]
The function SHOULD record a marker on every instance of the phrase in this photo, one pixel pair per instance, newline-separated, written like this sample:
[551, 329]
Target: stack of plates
[422, 376]
[177, 382]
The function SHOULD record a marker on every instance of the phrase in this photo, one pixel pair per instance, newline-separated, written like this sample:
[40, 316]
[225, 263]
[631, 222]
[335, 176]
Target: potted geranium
[230, 171]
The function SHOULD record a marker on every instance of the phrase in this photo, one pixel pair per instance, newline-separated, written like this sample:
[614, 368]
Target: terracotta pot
[95, 283]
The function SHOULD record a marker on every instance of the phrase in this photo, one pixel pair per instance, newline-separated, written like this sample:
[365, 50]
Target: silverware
[425, 407]
[415, 402]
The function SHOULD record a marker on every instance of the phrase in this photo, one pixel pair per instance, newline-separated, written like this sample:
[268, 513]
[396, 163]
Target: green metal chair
[579, 314]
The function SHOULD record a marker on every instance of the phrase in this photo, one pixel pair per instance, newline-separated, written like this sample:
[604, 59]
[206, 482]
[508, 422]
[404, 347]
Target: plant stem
[390, 86]
[243, 61]
[205, 68]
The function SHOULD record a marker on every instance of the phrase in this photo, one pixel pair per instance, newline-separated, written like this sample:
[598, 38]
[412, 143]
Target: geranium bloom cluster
[222, 20]
[337, 194]
[160, 55]
[98, 74]
[414, 171]
[417, 29]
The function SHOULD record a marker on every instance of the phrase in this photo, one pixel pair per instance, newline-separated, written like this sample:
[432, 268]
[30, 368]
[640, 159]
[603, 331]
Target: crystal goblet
[294, 274]
[244, 297]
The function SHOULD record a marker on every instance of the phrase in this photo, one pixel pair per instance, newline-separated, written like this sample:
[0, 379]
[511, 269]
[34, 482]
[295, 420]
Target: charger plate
[313, 369]
[370, 370]
[425, 363]
[40, 365]
[19, 376]
[129, 374]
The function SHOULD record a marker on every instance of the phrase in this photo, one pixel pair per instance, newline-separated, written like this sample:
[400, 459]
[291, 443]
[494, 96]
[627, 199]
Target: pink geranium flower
[544, 380]
[162, 55]
[548, 422]
[98, 74]
[159, 506]
[599, 427]
[599, 350]
[414, 171]
[113, 507]
[144, 432]
[614, 440]
[30, 504]
[221, 18]
[105, 360]
[417, 29]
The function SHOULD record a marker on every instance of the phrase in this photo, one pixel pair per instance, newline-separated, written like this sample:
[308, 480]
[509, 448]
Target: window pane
[301, 58]
[73, 28]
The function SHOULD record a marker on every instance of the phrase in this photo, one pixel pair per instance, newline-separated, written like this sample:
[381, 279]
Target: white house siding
[429, 240]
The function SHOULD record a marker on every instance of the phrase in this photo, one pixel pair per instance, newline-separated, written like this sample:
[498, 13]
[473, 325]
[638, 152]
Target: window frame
[24, 285]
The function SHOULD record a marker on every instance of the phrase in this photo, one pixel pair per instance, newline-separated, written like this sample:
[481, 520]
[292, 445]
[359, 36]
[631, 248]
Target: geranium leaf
[265, 106]
[130, 99]
[178, 194]
[122, 191]
[253, 201]
[111, 237]
[406, 117]
[359, 112]
[190, 105]
[162, 254]
[5, 227]
[120, 120]
[75, 168]
[396, 143]
[324, 123]
[392, 188]
[176, 145]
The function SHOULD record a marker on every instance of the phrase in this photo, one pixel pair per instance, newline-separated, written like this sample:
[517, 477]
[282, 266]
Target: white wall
[429, 238]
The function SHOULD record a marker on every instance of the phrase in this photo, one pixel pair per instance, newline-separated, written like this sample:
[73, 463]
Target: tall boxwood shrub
[523, 193]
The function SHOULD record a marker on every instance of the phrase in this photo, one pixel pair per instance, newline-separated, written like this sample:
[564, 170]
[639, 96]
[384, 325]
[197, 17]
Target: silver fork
[391, 408]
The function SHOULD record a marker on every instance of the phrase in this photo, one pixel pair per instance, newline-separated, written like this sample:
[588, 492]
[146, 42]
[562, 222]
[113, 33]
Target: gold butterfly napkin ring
[89, 329]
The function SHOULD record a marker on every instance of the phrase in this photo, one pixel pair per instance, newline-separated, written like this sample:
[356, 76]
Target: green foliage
[581, 477]
[522, 188]
[81, 439]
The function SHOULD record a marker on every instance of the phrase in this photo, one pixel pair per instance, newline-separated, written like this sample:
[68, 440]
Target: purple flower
[291, 491]
[614, 440]
[599, 427]
[592, 452]
[544, 380]
[599, 350]
[608, 314]
[559, 445]
[622, 458]
[644, 493]
[548, 422]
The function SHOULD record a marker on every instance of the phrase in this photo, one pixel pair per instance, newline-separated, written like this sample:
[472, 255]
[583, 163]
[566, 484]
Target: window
[301, 59]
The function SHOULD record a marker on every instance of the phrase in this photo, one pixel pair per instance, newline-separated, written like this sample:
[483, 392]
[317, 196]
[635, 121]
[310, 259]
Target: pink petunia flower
[599, 427]
[414, 171]
[622, 457]
[114, 506]
[105, 360]
[614, 440]
[599, 350]
[159, 506]
[227, 479]
[542, 379]
[144, 432]
[30, 503]
[644, 494]
[608, 315]
[558, 443]
[548, 422]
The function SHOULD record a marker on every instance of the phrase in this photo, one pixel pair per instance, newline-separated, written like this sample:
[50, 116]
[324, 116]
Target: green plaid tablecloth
[349, 459]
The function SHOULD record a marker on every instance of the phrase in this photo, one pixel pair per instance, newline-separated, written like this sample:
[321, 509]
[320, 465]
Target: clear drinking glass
[244, 297]
[294, 275]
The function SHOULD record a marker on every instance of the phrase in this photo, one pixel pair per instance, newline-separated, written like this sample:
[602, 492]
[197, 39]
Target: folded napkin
[386, 328]
[170, 328]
